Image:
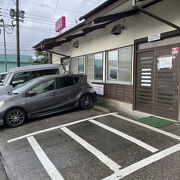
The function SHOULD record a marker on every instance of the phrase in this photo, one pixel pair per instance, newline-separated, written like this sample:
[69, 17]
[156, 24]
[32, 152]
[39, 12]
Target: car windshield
[24, 86]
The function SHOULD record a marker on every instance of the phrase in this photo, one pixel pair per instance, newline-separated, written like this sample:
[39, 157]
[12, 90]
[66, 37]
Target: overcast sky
[40, 18]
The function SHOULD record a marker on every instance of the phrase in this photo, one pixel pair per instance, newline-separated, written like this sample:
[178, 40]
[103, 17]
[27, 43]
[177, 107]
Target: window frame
[98, 80]
[84, 58]
[58, 82]
[30, 76]
[105, 66]
[107, 74]
[106, 60]
[41, 83]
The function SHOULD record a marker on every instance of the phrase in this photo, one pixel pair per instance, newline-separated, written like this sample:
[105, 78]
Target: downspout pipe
[154, 16]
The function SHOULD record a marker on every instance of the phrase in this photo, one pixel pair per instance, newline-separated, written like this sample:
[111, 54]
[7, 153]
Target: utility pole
[5, 57]
[17, 16]
[17, 34]
[4, 33]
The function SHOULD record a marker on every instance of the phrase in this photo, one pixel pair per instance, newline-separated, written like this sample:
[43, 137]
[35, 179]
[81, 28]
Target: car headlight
[1, 103]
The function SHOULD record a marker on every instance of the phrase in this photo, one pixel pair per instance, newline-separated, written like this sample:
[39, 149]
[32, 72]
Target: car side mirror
[30, 93]
[14, 83]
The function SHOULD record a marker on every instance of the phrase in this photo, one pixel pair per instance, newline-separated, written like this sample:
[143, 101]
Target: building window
[119, 65]
[98, 69]
[112, 65]
[94, 69]
[124, 65]
[74, 65]
[90, 67]
[81, 65]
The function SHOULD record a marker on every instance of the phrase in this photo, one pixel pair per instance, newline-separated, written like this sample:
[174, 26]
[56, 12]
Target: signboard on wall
[60, 24]
[99, 88]
[164, 62]
[175, 50]
[155, 37]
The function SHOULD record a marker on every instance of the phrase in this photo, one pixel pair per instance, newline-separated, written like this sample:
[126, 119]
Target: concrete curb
[100, 108]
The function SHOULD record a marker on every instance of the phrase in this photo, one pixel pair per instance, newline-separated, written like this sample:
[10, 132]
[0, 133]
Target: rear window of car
[40, 73]
[65, 82]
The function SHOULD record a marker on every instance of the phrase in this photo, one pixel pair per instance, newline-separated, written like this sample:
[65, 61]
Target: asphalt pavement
[3, 175]
[80, 145]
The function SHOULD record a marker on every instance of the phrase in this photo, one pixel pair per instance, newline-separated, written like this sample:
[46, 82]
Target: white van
[21, 75]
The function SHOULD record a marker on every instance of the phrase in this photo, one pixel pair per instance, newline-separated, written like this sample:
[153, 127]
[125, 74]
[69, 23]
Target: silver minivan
[20, 75]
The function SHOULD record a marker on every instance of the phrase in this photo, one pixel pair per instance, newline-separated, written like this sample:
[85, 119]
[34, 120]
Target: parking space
[90, 145]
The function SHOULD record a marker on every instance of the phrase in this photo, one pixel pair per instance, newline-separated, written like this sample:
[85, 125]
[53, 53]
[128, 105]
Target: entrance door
[144, 82]
[157, 82]
[166, 83]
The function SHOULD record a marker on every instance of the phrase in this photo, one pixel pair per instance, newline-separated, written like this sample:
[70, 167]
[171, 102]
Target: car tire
[86, 102]
[15, 117]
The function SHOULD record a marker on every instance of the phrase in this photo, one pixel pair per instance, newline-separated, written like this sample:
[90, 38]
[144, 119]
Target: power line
[14, 44]
[58, 9]
[21, 49]
[41, 29]
[44, 20]
[10, 43]
[13, 2]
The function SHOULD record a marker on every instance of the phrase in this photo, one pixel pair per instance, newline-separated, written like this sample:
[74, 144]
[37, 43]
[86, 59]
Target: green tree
[41, 58]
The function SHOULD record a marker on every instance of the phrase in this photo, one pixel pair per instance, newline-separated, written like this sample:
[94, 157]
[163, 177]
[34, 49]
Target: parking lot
[90, 145]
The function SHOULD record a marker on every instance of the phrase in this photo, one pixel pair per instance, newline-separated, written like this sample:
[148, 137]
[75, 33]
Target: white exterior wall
[64, 49]
[136, 27]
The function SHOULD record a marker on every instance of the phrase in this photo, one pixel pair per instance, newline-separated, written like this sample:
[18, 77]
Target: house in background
[11, 61]
[131, 52]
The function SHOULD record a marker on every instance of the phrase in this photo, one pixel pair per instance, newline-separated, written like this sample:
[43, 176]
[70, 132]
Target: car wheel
[15, 117]
[86, 102]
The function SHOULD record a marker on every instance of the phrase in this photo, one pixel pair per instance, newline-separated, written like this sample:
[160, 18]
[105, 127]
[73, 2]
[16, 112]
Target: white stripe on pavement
[145, 162]
[130, 138]
[102, 157]
[148, 127]
[50, 168]
[57, 127]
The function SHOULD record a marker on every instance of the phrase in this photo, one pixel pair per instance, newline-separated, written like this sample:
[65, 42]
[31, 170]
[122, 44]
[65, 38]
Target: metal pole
[5, 56]
[17, 33]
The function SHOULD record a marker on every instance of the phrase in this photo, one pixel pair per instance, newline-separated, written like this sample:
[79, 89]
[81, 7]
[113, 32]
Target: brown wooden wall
[118, 92]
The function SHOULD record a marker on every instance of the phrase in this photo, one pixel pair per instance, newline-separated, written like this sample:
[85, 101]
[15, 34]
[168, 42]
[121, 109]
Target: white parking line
[130, 138]
[50, 168]
[148, 127]
[145, 162]
[102, 157]
[57, 127]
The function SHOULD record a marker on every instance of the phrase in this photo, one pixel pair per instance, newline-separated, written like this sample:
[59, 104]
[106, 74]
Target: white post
[104, 67]
[179, 102]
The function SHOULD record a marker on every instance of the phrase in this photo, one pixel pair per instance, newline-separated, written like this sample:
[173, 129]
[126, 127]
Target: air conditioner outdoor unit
[116, 30]
[76, 44]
